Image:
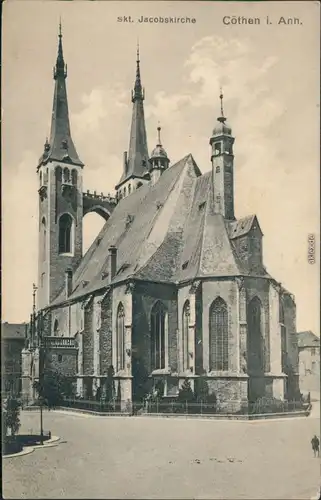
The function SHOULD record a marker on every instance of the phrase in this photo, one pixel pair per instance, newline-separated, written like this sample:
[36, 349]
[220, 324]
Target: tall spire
[136, 164]
[61, 68]
[60, 146]
[138, 92]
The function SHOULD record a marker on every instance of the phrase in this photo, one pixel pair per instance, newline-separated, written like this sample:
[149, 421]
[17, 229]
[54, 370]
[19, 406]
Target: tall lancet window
[120, 340]
[283, 337]
[158, 332]
[56, 328]
[218, 329]
[255, 336]
[43, 237]
[185, 336]
[65, 234]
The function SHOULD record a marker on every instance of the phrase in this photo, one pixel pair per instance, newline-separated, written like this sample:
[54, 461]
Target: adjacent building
[174, 284]
[309, 362]
[12, 343]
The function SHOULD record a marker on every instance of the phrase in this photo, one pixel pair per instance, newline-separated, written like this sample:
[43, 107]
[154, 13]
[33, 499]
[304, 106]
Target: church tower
[135, 169]
[222, 159]
[60, 195]
[158, 160]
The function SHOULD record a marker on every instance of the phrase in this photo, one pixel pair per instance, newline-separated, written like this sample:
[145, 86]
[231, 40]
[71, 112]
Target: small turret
[222, 159]
[158, 160]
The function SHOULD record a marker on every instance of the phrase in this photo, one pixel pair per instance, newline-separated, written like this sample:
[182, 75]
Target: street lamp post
[37, 321]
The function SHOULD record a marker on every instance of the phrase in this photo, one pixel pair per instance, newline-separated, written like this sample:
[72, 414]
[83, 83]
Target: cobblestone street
[143, 457]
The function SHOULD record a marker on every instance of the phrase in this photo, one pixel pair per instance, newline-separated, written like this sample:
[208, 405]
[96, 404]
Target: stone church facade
[174, 283]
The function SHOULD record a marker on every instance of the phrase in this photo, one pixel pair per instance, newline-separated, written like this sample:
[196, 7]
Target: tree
[185, 393]
[53, 388]
[11, 415]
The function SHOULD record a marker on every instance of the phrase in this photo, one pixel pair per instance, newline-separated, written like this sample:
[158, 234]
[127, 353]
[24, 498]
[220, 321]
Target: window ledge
[226, 374]
[122, 374]
[66, 254]
[161, 371]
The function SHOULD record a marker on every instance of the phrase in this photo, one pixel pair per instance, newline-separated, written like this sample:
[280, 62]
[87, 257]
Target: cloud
[20, 235]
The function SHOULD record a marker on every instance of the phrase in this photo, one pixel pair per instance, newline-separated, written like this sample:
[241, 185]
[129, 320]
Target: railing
[101, 196]
[184, 407]
[52, 342]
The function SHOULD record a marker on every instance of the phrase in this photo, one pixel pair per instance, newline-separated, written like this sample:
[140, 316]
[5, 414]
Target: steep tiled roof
[13, 331]
[167, 232]
[242, 226]
[308, 339]
[151, 209]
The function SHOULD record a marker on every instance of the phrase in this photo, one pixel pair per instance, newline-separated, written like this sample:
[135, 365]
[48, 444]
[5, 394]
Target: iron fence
[162, 406]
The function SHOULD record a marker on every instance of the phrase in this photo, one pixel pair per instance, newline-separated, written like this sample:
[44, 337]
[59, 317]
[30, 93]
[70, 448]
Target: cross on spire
[159, 137]
[222, 117]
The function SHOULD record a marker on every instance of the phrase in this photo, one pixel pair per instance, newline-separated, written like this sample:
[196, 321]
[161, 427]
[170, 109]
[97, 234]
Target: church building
[173, 283]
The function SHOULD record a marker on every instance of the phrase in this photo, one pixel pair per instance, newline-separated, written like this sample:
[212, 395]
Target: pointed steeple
[136, 161]
[60, 146]
[138, 92]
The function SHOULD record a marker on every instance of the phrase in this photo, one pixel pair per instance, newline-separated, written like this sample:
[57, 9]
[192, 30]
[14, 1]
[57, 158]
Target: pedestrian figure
[315, 445]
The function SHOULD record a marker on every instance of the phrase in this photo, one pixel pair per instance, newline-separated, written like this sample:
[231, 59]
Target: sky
[270, 79]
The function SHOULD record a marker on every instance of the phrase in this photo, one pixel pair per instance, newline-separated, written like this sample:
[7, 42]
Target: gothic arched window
[129, 188]
[66, 175]
[283, 337]
[43, 237]
[56, 328]
[255, 338]
[74, 176]
[58, 173]
[120, 340]
[65, 234]
[40, 179]
[185, 339]
[158, 327]
[124, 192]
[218, 329]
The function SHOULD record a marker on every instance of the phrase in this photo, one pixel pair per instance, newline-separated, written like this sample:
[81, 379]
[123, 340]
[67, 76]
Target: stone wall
[61, 360]
[88, 341]
[106, 334]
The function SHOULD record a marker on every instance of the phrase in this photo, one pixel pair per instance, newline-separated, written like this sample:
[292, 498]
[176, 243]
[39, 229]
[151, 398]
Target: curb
[25, 451]
[50, 443]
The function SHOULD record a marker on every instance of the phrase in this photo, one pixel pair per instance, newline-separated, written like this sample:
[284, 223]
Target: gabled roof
[152, 211]
[308, 339]
[13, 331]
[243, 226]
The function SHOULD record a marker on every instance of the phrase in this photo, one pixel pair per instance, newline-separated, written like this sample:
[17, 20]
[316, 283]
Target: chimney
[68, 282]
[125, 161]
[112, 262]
